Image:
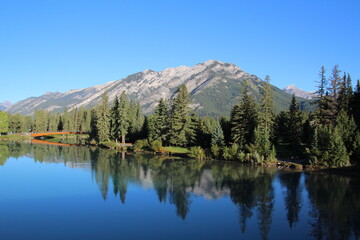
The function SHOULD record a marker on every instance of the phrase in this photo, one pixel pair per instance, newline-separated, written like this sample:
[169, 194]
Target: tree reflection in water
[291, 182]
[334, 211]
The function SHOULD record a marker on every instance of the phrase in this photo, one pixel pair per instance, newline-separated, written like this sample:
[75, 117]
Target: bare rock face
[292, 89]
[214, 87]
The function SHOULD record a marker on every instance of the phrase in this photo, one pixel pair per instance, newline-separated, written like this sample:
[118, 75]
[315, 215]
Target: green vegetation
[15, 137]
[255, 133]
[4, 122]
[180, 150]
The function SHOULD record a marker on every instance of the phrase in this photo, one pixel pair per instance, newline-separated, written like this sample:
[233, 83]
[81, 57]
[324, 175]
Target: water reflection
[335, 212]
[291, 182]
[334, 201]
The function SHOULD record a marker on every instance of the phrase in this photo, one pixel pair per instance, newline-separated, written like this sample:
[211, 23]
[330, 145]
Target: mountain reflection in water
[328, 204]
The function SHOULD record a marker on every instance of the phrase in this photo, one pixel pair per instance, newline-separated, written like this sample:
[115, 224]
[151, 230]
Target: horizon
[62, 46]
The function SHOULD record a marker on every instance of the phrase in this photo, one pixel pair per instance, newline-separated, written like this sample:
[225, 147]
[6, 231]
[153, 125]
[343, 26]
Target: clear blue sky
[59, 45]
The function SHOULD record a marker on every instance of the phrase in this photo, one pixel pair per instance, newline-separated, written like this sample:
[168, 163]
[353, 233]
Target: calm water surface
[53, 192]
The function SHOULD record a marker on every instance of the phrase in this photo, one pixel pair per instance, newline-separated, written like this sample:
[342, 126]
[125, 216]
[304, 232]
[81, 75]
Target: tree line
[252, 132]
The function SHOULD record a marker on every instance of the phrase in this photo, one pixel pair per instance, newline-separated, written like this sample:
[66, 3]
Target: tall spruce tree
[217, 136]
[179, 118]
[355, 104]
[263, 131]
[334, 90]
[114, 124]
[4, 122]
[123, 121]
[40, 121]
[244, 118]
[295, 123]
[266, 115]
[159, 127]
[322, 83]
[324, 107]
[103, 119]
[345, 94]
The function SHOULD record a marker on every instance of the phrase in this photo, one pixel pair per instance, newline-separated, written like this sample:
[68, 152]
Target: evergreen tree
[294, 124]
[322, 83]
[4, 122]
[114, 124]
[345, 94]
[217, 136]
[15, 123]
[244, 118]
[330, 149]
[262, 133]
[334, 89]
[179, 118]
[94, 133]
[355, 104]
[103, 119]
[346, 128]
[123, 121]
[226, 127]
[191, 133]
[266, 115]
[159, 127]
[40, 121]
[323, 110]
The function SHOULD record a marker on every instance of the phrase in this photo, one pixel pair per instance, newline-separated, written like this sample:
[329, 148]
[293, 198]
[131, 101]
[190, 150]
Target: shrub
[197, 152]
[230, 153]
[156, 146]
[215, 151]
[140, 145]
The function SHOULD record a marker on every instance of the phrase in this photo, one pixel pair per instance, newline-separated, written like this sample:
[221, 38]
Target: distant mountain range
[292, 89]
[5, 105]
[214, 87]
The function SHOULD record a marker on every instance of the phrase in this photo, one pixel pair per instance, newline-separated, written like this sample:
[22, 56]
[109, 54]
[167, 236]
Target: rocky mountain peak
[214, 87]
[292, 89]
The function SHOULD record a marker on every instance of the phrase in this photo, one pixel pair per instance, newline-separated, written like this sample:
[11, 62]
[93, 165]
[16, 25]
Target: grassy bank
[15, 137]
[179, 150]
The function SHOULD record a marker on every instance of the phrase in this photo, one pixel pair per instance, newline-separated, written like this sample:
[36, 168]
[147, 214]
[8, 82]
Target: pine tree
[355, 104]
[294, 124]
[346, 128]
[40, 121]
[244, 118]
[15, 123]
[345, 94]
[263, 131]
[322, 83]
[266, 115]
[334, 89]
[123, 120]
[103, 119]
[94, 135]
[217, 136]
[4, 122]
[179, 118]
[159, 127]
[114, 124]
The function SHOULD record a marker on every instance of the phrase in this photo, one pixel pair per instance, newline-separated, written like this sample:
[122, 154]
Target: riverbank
[184, 152]
[15, 137]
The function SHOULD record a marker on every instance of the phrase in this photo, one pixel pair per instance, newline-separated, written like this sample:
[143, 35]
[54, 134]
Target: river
[73, 192]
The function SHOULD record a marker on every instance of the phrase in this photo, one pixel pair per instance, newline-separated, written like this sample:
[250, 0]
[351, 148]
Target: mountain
[292, 89]
[214, 87]
[5, 105]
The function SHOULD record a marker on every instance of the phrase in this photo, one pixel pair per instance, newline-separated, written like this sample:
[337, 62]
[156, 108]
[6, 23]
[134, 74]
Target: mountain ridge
[214, 87]
[292, 89]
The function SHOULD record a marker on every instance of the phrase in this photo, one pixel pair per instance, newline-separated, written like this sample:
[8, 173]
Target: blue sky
[59, 45]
